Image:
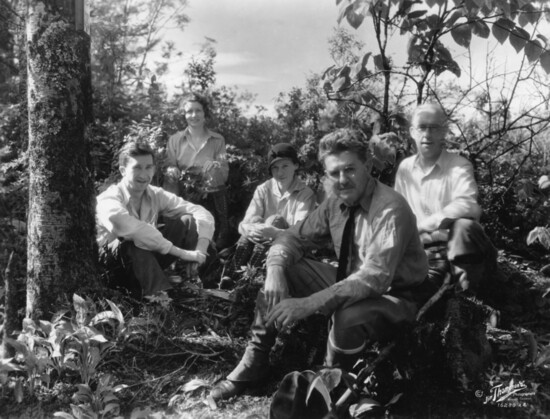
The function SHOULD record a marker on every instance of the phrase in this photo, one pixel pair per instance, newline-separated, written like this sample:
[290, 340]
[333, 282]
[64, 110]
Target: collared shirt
[181, 152]
[294, 205]
[447, 190]
[117, 218]
[387, 251]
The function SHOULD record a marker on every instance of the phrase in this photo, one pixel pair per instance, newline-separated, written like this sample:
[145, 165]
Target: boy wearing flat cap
[277, 204]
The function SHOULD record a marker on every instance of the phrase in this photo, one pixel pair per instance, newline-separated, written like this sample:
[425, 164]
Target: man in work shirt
[127, 216]
[442, 192]
[378, 286]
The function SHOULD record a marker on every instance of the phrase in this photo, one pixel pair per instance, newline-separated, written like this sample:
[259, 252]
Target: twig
[186, 352]
[436, 297]
[197, 310]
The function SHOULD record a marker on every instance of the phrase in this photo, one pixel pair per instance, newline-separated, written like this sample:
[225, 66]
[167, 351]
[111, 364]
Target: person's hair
[134, 148]
[195, 97]
[345, 139]
[430, 107]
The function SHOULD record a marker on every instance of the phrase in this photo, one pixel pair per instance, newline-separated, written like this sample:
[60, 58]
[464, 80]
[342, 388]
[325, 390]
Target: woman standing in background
[201, 152]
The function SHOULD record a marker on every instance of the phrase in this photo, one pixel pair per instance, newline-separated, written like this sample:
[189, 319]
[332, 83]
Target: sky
[263, 46]
[269, 46]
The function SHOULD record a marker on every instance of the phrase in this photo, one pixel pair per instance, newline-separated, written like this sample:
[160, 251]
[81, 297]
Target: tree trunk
[61, 250]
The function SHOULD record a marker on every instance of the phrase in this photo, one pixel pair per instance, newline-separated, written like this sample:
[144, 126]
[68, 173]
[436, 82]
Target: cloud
[232, 59]
[240, 79]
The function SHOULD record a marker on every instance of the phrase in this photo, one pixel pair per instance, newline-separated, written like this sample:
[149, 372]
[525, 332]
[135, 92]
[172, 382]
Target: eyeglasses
[426, 127]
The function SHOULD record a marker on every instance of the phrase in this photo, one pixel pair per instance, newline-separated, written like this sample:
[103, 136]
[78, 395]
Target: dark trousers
[140, 270]
[468, 255]
[352, 325]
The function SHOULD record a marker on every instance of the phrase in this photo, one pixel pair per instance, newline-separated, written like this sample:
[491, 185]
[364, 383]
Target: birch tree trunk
[61, 250]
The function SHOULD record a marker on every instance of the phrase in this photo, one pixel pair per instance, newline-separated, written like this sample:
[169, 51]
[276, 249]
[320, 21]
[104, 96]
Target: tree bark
[62, 251]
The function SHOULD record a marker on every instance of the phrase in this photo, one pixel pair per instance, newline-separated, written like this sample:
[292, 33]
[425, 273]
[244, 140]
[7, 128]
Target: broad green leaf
[64, 415]
[193, 385]
[533, 49]
[504, 6]
[340, 84]
[528, 14]
[118, 313]
[462, 34]
[319, 385]
[543, 38]
[544, 182]
[18, 346]
[364, 405]
[480, 28]
[394, 399]
[416, 14]
[359, 70]
[518, 38]
[331, 377]
[432, 3]
[545, 61]
[102, 317]
[378, 64]
[479, 3]
[354, 19]
[543, 357]
[344, 7]
[502, 28]
[119, 387]
[6, 365]
[449, 23]
[110, 407]
[542, 234]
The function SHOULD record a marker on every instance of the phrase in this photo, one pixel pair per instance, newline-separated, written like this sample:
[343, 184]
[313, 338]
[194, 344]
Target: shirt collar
[210, 134]
[440, 162]
[366, 199]
[296, 186]
[126, 193]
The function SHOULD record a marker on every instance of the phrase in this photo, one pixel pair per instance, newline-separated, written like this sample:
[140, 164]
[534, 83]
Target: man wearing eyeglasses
[442, 192]
[380, 281]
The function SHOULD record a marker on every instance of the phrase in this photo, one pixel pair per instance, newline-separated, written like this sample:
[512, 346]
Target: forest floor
[169, 354]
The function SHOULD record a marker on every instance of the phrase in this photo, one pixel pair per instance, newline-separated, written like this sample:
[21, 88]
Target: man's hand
[253, 232]
[289, 311]
[211, 164]
[192, 256]
[268, 231]
[276, 288]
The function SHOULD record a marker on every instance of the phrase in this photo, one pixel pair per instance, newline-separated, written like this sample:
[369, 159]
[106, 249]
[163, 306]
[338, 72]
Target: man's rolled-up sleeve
[113, 216]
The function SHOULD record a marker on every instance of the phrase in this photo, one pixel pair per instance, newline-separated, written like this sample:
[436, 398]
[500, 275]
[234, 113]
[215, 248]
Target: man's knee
[347, 330]
[467, 243]
[187, 222]
[465, 226]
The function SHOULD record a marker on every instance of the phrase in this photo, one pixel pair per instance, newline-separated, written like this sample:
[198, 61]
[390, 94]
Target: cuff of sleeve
[166, 247]
[277, 257]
